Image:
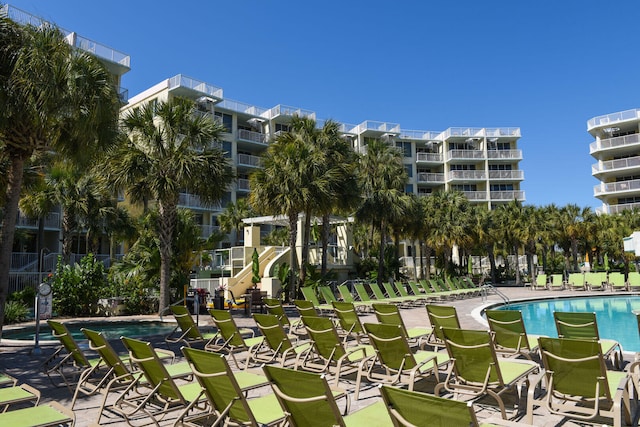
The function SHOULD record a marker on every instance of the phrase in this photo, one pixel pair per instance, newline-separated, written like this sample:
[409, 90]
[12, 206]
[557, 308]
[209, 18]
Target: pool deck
[20, 363]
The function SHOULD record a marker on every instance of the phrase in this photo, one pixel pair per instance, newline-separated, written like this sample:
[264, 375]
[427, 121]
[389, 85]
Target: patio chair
[74, 358]
[186, 331]
[282, 349]
[274, 306]
[454, 284]
[394, 296]
[309, 294]
[232, 339]
[417, 290]
[7, 380]
[389, 314]
[18, 395]
[327, 294]
[477, 371]
[118, 376]
[329, 355]
[578, 385]
[52, 414]
[416, 300]
[226, 396]
[583, 325]
[616, 281]
[382, 298]
[633, 281]
[442, 290]
[441, 316]
[557, 282]
[305, 308]
[307, 400]
[349, 321]
[164, 395]
[363, 295]
[395, 363]
[595, 280]
[509, 334]
[541, 282]
[346, 296]
[576, 282]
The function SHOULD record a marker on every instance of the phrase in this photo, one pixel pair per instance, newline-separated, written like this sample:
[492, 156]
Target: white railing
[248, 160]
[497, 132]
[501, 174]
[504, 154]
[467, 175]
[465, 154]
[429, 157]
[507, 195]
[479, 132]
[284, 110]
[614, 209]
[208, 230]
[616, 187]
[430, 177]
[618, 141]
[425, 135]
[191, 83]
[241, 107]
[377, 126]
[249, 135]
[611, 165]
[51, 220]
[475, 195]
[612, 118]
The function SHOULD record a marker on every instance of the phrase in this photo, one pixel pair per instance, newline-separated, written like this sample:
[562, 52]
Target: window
[462, 167]
[405, 146]
[225, 119]
[282, 128]
[500, 167]
[409, 169]
[465, 187]
[501, 187]
[408, 189]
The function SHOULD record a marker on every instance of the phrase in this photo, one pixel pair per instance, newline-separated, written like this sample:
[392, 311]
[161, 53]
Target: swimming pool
[112, 330]
[614, 314]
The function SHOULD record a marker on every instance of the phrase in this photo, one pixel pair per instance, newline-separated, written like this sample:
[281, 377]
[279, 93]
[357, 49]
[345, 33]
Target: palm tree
[231, 218]
[167, 148]
[54, 98]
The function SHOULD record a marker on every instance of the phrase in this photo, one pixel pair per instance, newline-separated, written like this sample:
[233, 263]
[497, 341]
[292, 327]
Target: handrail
[487, 287]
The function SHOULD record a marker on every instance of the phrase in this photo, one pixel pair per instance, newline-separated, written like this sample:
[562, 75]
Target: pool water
[111, 330]
[614, 315]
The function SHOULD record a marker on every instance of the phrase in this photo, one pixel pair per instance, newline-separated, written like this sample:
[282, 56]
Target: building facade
[617, 152]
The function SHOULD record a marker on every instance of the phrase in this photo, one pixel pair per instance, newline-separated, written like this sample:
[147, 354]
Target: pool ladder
[489, 288]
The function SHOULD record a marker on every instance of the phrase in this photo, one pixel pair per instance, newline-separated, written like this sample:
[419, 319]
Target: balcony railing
[284, 110]
[248, 160]
[377, 126]
[467, 175]
[475, 195]
[425, 177]
[243, 184]
[426, 135]
[252, 136]
[617, 187]
[617, 164]
[504, 154]
[507, 195]
[241, 107]
[619, 141]
[507, 175]
[465, 154]
[609, 119]
[479, 132]
[52, 220]
[190, 201]
[208, 230]
[198, 85]
[429, 157]
[614, 209]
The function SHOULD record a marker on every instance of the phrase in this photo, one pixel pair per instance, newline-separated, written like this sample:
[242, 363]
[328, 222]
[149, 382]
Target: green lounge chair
[274, 306]
[395, 363]
[381, 297]
[349, 321]
[595, 280]
[310, 295]
[305, 308]
[363, 295]
[346, 296]
[541, 282]
[416, 300]
[74, 358]
[233, 341]
[557, 282]
[394, 296]
[118, 376]
[583, 325]
[327, 294]
[389, 314]
[18, 394]
[279, 343]
[578, 385]
[509, 333]
[616, 281]
[441, 316]
[329, 355]
[186, 330]
[7, 380]
[477, 371]
[308, 401]
[633, 281]
[576, 282]
[226, 396]
[439, 288]
[417, 290]
[51, 414]
[454, 284]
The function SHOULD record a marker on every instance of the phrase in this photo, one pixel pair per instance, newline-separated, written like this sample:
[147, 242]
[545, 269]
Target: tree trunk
[166, 226]
[67, 237]
[326, 230]
[306, 237]
[293, 256]
[383, 241]
[12, 197]
[515, 250]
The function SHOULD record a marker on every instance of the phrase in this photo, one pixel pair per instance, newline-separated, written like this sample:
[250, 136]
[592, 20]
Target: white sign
[45, 306]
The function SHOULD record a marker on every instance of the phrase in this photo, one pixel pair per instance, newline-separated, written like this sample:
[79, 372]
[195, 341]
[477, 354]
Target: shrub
[15, 311]
[76, 289]
[26, 296]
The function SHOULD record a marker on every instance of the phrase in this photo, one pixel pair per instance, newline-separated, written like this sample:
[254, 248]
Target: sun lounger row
[614, 281]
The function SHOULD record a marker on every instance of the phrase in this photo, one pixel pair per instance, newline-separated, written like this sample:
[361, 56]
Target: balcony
[513, 175]
[504, 154]
[617, 142]
[248, 160]
[475, 195]
[615, 165]
[467, 175]
[190, 201]
[427, 178]
[465, 154]
[507, 195]
[284, 110]
[208, 230]
[479, 132]
[617, 187]
[377, 126]
[429, 157]
[51, 221]
[418, 134]
[613, 118]
[614, 209]
[248, 135]
[241, 107]
[243, 184]
[180, 81]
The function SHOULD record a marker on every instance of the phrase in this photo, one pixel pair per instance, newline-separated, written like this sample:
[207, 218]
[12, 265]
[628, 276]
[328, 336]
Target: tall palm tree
[54, 98]
[168, 148]
[231, 218]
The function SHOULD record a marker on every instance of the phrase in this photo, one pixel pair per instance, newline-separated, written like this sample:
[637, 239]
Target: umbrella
[606, 262]
[255, 267]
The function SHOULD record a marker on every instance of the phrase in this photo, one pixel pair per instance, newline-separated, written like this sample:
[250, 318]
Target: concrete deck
[20, 363]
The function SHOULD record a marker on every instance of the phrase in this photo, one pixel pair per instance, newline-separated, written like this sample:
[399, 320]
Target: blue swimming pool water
[614, 314]
[112, 330]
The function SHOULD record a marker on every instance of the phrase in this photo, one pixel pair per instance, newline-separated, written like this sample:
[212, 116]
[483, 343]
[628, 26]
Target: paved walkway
[19, 362]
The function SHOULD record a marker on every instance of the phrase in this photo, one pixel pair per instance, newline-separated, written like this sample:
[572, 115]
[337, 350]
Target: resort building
[617, 151]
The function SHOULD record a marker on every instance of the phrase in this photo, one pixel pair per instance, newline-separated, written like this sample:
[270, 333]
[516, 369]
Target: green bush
[15, 311]
[27, 296]
[76, 289]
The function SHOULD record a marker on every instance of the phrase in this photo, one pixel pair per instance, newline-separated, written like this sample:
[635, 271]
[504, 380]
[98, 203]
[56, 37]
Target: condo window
[405, 147]
[500, 167]
[225, 119]
[462, 167]
[501, 187]
[465, 187]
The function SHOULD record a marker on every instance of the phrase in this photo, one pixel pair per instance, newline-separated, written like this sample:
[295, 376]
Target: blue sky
[545, 66]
